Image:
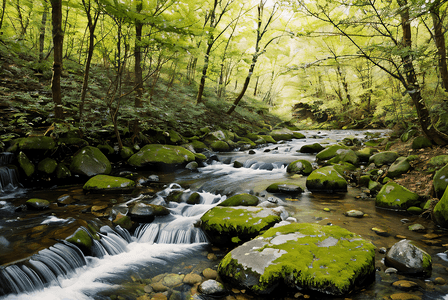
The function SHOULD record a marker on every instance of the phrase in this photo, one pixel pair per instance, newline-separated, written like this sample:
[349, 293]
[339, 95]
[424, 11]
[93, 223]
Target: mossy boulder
[440, 212]
[326, 180]
[106, 183]
[438, 161]
[383, 158]
[214, 136]
[330, 152]
[300, 166]
[37, 143]
[398, 167]
[175, 137]
[198, 146]
[106, 149]
[285, 187]
[220, 146]
[47, 166]
[345, 155]
[25, 164]
[394, 196]
[365, 153]
[312, 148]
[421, 142]
[37, 204]
[241, 200]
[90, 161]
[194, 198]
[408, 134]
[268, 139]
[409, 259]
[161, 156]
[226, 226]
[73, 141]
[298, 135]
[302, 257]
[126, 152]
[145, 213]
[282, 134]
[123, 221]
[82, 239]
[62, 171]
[440, 181]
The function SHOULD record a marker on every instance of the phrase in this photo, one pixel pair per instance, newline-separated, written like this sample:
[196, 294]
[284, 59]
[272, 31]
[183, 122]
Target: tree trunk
[204, 74]
[3, 13]
[58, 40]
[138, 70]
[439, 39]
[246, 84]
[42, 32]
[411, 83]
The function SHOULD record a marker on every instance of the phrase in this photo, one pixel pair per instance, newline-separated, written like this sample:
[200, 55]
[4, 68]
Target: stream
[35, 262]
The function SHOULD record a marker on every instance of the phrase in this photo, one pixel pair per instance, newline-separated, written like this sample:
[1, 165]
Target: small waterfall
[9, 177]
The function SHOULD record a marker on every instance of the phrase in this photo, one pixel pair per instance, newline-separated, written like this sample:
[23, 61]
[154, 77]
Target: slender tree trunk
[204, 74]
[246, 84]
[412, 86]
[42, 32]
[439, 39]
[58, 40]
[3, 13]
[138, 71]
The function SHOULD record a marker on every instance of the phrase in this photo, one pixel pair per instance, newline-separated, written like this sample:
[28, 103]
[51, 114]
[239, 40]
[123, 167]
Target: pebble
[210, 273]
[172, 280]
[148, 289]
[439, 281]
[382, 250]
[327, 209]
[405, 285]
[159, 287]
[211, 287]
[417, 227]
[391, 271]
[354, 213]
[380, 231]
[192, 278]
[212, 256]
[404, 296]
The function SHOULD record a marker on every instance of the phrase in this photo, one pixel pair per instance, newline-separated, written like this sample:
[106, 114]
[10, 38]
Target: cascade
[9, 178]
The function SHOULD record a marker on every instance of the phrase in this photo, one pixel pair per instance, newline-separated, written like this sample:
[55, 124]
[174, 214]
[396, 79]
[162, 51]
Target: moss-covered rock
[408, 134]
[90, 161]
[440, 181]
[438, 161]
[145, 213]
[25, 164]
[194, 198]
[175, 138]
[395, 196]
[231, 225]
[106, 183]
[37, 204]
[243, 199]
[106, 149]
[365, 153]
[421, 142]
[268, 139]
[37, 143]
[126, 152]
[73, 141]
[383, 158]
[220, 146]
[282, 134]
[161, 155]
[300, 166]
[175, 196]
[62, 171]
[298, 135]
[285, 187]
[326, 180]
[311, 148]
[345, 155]
[198, 146]
[123, 221]
[47, 166]
[214, 136]
[329, 152]
[398, 167]
[82, 239]
[441, 211]
[300, 256]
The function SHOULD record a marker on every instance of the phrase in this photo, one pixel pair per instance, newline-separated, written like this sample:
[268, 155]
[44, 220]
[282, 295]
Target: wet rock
[440, 211]
[210, 273]
[312, 148]
[398, 167]
[383, 158]
[198, 146]
[417, 228]
[414, 210]
[194, 198]
[331, 260]
[404, 296]
[172, 280]
[280, 187]
[145, 213]
[382, 250]
[405, 285]
[391, 271]
[421, 142]
[354, 213]
[237, 164]
[345, 155]
[37, 204]
[300, 166]
[282, 134]
[268, 139]
[107, 184]
[25, 164]
[380, 231]
[62, 172]
[47, 166]
[192, 279]
[440, 181]
[123, 221]
[192, 166]
[365, 153]
[329, 152]
[164, 156]
[241, 200]
[439, 281]
[393, 195]
[159, 287]
[232, 225]
[81, 239]
[212, 288]
[326, 180]
[37, 143]
[90, 161]
[220, 146]
[408, 258]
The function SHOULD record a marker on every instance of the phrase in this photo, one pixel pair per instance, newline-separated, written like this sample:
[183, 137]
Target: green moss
[329, 152]
[166, 154]
[326, 179]
[220, 146]
[393, 195]
[47, 165]
[81, 239]
[26, 165]
[268, 139]
[198, 146]
[106, 182]
[300, 166]
[200, 156]
[243, 199]
[194, 198]
[37, 143]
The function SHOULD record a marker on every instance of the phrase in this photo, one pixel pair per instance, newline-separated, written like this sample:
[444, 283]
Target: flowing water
[39, 264]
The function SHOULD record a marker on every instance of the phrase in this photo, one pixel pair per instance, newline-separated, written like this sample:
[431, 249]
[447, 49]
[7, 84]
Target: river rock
[408, 258]
[192, 279]
[438, 161]
[172, 280]
[220, 146]
[345, 155]
[231, 225]
[145, 213]
[395, 196]
[90, 161]
[398, 167]
[300, 166]
[312, 148]
[192, 166]
[81, 239]
[268, 139]
[194, 198]
[440, 212]
[241, 200]
[62, 171]
[106, 183]
[329, 152]
[282, 134]
[354, 213]
[47, 166]
[124, 221]
[326, 180]
[164, 156]
[212, 288]
[37, 204]
[405, 285]
[126, 152]
[440, 181]
[301, 256]
[198, 146]
[37, 143]
[417, 228]
[285, 187]
[421, 142]
[365, 153]
[383, 158]
[25, 164]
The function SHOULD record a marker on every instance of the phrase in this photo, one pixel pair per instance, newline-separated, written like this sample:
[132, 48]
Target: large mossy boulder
[383, 158]
[37, 143]
[421, 142]
[409, 259]
[47, 166]
[108, 184]
[25, 164]
[282, 134]
[326, 180]
[311, 148]
[345, 155]
[241, 200]
[440, 212]
[302, 257]
[82, 239]
[161, 156]
[440, 181]
[285, 187]
[226, 226]
[300, 166]
[90, 161]
[399, 166]
[394, 196]
[330, 152]
[220, 146]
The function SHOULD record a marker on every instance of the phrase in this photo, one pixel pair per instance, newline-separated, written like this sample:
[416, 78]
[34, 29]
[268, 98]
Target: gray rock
[354, 213]
[90, 161]
[408, 258]
[212, 287]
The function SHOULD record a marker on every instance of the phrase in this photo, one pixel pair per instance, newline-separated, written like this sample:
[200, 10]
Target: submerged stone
[326, 180]
[301, 256]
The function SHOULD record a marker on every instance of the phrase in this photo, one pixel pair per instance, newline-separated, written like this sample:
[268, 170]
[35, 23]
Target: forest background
[133, 67]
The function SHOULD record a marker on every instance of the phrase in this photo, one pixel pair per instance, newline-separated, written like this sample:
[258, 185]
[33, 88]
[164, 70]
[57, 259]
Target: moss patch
[240, 200]
[164, 154]
[108, 183]
[393, 195]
